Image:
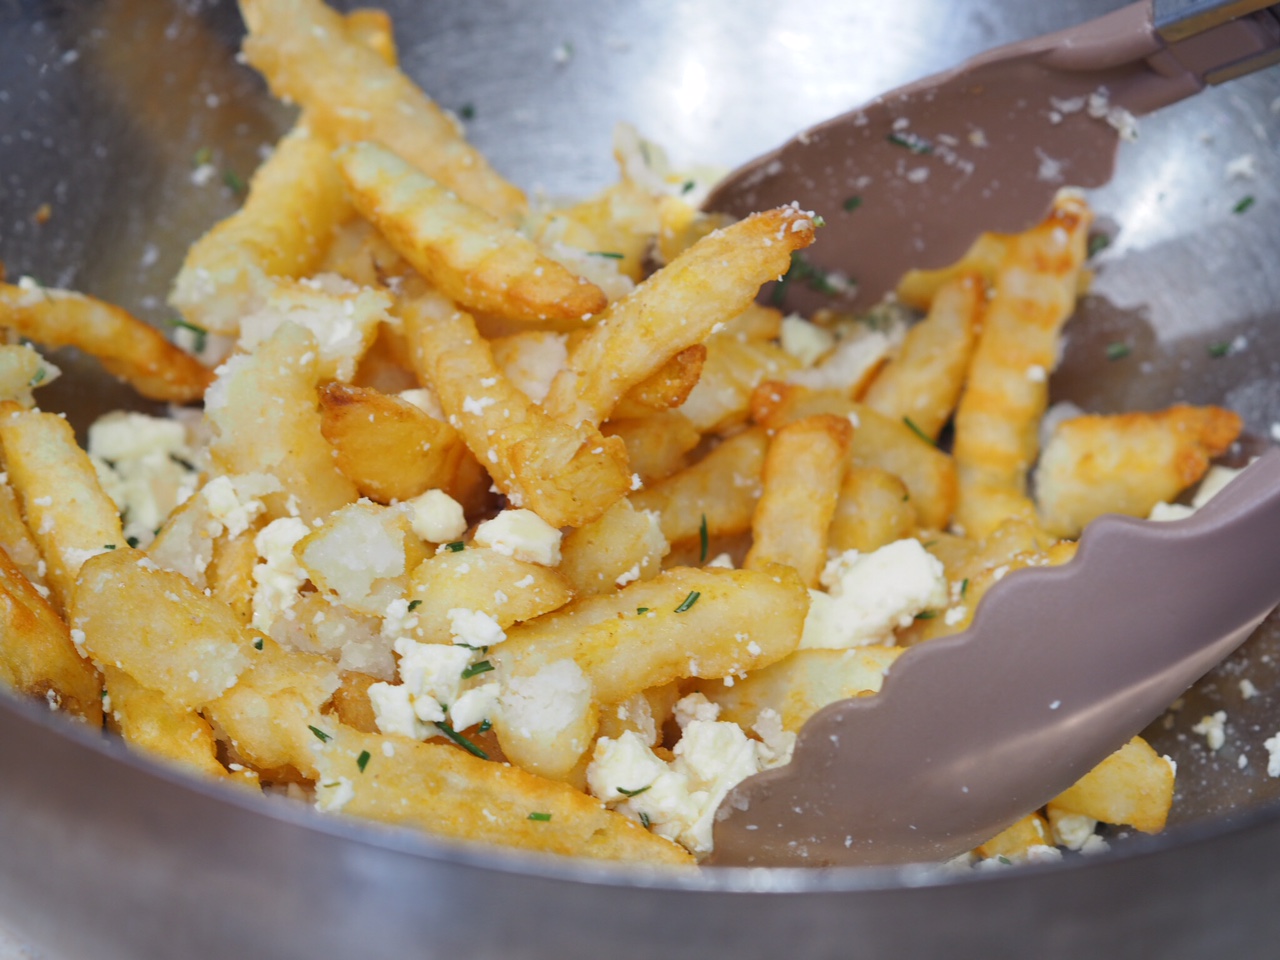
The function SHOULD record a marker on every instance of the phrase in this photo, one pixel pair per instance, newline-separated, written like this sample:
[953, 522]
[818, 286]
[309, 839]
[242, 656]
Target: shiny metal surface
[102, 107]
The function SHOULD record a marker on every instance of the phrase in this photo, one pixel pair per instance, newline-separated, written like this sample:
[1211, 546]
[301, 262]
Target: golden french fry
[159, 628]
[531, 359]
[68, 514]
[1013, 842]
[657, 444]
[350, 93]
[465, 252]
[567, 475]
[230, 574]
[923, 382]
[1133, 786]
[37, 655]
[917, 288]
[441, 789]
[801, 684]
[263, 411]
[997, 422]
[351, 701]
[878, 441]
[734, 368]
[802, 474]
[712, 282]
[480, 580]
[605, 649]
[361, 254]
[146, 720]
[722, 487]
[371, 28]
[757, 322]
[16, 541]
[1127, 463]
[873, 509]
[667, 387]
[361, 555]
[622, 545]
[123, 344]
[295, 202]
[391, 450]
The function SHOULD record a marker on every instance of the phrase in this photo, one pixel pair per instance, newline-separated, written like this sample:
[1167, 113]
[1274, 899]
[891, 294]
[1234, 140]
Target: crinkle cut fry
[679, 306]
[465, 252]
[351, 93]
[997, 422]
[567, 475]
[123, 344]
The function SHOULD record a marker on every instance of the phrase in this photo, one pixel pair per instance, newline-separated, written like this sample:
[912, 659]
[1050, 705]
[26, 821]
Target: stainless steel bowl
[103, 105]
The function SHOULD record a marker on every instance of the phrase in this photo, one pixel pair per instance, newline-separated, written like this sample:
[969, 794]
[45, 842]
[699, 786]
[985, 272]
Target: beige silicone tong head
[910, 179]
[1061, 667]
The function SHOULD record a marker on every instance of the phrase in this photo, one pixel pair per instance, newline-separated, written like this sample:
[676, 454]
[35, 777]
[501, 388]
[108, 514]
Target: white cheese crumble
[279, 575]
[474, 628]
[1247, 690]
[1073, 830]
[805, 341]
[437, 517]
[870, 595]
[1213, 729]
[1272, 745]
[333, 795]
[521, 534]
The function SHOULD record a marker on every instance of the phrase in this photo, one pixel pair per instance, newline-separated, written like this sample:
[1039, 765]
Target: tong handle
[1216, 40]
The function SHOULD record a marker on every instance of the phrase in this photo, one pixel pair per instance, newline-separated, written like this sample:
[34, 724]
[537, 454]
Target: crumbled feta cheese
[521, 534]
[547, 702]
[1072, 830]
[1247, 690]
[279, 575]
[393, 711]
[693, 707]
[870, 595]
[722, 560]
[333, 795]
[848, 365]
[437, 517]
[1213, 729]
[475, 628]
[432, 674]
[398, 622]
[474, 706]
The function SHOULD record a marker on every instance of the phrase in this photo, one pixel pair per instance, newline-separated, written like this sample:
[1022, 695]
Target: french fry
[923, 382]
[531, 359]
[1133, 787]
[623, 545]
[1014, 842]
[712, 282]
[480, 579]
[391, 450]
[37, 655]
[802, 474]
[567, 475]
[16, 541]
[263, 412]
[997, 422]
[872, 510]
[147, 721]
[734, 368]
[124, 345]
[352, 94]
[657, 445]
[917, 288]
[69, 516]
[1127, 463]
[800, 685]
[723, 487]
[295, 202]
[465, 252]
[878, 441]
[667, 387]
[159, 628]
[371, 28]
[599, 650]
[230, 574]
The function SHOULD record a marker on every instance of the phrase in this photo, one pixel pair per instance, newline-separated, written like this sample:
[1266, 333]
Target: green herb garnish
[1005, 860]
[540, 817]
[461, 741]
[689, 601]
[644, 820]
[184, 464]
[362, 761]
[201, 334]
[1117, 351]
[1220, 349]
[964, 587]
[640, 611]
[484, 666]
[687, 186]
[459, 643]
[202, 156]
[257, 644]
[1097, 243]
[320, 734]
[926, 614]
[911, 141]
[467, 111]
[607, 254]
[1244, 204]
[485, 725]
[918, 432]
[108, 546]
[233, 181]
[703, 540]
[851, 203]
[414, 605]
[815, 278]
[632, 793]
[457, 546]
[37, 378]
[819, 221]
[132, 541]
